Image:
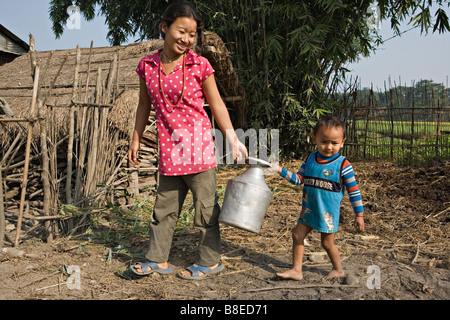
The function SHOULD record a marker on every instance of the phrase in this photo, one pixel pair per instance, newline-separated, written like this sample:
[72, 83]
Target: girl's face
[329, 140]
[180, 36]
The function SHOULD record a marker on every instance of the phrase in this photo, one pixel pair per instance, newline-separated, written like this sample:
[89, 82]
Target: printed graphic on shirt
[328, 217]
[322, 184]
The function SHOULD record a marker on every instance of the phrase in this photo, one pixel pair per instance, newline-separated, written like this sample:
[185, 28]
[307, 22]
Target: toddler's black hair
[329, 121]
[180, 10]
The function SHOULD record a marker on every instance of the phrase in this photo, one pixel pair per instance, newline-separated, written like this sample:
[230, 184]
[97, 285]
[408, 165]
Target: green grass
[400, 142]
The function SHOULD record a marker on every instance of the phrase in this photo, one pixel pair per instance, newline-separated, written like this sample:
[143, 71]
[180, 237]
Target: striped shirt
[348, 176]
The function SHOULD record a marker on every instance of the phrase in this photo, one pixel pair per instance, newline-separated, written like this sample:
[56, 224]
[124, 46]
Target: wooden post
[366, 129]
[45, 175]
[438, 128]
[32, 56]
[92, 158]
[83, 136]
[391, 108]
[103, 153]
[411, 143]
[71, 131]
[27, 156]
[2, 212]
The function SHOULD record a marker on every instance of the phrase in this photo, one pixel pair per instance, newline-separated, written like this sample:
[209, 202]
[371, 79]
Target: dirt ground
[402, 255]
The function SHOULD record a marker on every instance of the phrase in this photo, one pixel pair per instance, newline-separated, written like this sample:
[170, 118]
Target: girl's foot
[188, 273]
[291, 274]
[138, 267]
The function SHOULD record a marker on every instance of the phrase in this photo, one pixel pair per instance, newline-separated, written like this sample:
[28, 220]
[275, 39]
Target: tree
[290, 55]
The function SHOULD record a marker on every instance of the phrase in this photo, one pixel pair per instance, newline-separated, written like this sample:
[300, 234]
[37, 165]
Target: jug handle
[259, 161]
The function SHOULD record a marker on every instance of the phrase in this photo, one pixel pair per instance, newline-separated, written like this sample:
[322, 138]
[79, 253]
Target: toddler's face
[329, 140]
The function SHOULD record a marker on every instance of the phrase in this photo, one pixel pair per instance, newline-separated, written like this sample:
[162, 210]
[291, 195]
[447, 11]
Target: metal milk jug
[247, 198]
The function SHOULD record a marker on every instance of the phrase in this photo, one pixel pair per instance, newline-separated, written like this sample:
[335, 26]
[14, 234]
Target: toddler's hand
[359, 223]
[274, 169]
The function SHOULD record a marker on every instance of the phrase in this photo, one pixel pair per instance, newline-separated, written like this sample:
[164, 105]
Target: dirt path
[403, 254]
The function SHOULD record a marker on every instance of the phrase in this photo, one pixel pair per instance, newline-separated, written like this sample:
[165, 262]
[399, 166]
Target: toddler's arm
[354, 195]
[352, 188]
[294, 178]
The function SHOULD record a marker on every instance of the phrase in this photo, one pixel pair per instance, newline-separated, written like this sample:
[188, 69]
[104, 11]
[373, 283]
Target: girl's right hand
[132, 153]
[239, 150]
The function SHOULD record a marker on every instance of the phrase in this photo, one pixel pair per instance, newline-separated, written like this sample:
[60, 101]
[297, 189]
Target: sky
[404, 60]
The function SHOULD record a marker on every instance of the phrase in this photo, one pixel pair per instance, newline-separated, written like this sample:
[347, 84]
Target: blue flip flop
[154, 268]
[195, 269]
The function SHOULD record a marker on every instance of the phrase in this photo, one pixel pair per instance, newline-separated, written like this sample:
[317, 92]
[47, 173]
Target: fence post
[27, 155]
[438, 127]
[391, 108]
[2, 211]
[412, 129]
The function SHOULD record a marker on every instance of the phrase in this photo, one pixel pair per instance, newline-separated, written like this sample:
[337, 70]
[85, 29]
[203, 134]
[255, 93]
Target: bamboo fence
[396, 129]
[58, 169]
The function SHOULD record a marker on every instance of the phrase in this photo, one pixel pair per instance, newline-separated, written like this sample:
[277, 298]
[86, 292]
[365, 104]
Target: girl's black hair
[180, 10]
[329, 121]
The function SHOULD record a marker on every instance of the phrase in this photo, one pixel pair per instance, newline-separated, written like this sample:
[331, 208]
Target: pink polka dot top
[184, 131]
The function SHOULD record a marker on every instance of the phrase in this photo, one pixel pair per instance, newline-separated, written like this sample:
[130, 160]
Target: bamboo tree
[290, 55]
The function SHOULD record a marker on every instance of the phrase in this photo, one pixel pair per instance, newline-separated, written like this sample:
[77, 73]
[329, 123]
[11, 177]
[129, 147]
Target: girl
[176, 81]
[325, 175]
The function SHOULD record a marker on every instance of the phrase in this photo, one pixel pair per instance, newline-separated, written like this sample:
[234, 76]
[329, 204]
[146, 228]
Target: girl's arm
[222, 117]
[142, 114]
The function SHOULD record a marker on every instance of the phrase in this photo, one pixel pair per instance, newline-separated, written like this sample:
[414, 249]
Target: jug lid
[253, 160]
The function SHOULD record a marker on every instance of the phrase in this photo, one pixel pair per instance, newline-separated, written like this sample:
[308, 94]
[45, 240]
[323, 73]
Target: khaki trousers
[171, 193]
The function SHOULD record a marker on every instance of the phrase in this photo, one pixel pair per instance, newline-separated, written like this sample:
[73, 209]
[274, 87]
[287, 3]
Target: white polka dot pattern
[184, 132]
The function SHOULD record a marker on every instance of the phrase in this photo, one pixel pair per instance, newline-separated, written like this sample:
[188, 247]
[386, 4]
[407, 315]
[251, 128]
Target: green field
[399, 141]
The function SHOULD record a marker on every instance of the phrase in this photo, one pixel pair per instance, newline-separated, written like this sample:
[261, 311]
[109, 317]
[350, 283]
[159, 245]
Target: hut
[66, 119]
[11, 46]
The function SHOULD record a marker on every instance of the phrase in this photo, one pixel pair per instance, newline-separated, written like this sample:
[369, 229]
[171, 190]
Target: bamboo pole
[71, 131]
[92, 159]
[83, 136]
[2, 213]
[412, 131]
[104, 149]
[438, 127]
[391, 108]
[52, 84]
[88, 72]
[32, 56]
[27, 156]
[45, 176]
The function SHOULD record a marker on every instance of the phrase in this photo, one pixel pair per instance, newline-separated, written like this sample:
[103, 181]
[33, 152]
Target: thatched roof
[16, 83]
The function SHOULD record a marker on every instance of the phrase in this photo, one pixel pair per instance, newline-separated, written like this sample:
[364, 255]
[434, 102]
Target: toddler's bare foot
[291, 274]
[335, 274]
